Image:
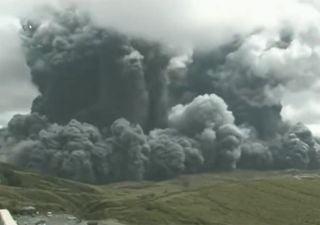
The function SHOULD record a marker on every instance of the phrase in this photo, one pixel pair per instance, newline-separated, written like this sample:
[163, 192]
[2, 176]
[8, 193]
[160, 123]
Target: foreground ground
[58, 219]
[239, 198]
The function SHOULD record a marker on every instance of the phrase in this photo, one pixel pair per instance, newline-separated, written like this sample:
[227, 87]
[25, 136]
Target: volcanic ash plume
[300, 149]
[93, 74]
[122, 151]
[206, 119]
[115, 107]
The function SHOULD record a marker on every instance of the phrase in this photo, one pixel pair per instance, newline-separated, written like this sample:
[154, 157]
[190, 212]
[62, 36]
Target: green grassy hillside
[20, 188]
[239, 198]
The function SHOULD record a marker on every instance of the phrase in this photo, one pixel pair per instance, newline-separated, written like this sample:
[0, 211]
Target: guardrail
[6, 218]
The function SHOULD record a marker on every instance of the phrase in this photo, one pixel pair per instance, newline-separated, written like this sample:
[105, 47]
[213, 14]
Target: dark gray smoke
[122, 151]
[224, 71]
[113, 107]
[93, 74]
[300, 149]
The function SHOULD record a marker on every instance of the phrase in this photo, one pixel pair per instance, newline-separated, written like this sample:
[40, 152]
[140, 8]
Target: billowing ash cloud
[207, 119]
[122, 151]
[300, 149]
[93, 74]
[207, 111]
[118, 102]
[79, 151]
[249, 94]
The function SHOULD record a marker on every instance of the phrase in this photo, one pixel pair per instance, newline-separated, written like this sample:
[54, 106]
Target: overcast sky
[187, 23]
[16, 90]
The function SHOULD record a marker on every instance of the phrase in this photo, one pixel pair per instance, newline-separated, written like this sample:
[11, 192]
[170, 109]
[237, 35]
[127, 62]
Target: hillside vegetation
[239, 198]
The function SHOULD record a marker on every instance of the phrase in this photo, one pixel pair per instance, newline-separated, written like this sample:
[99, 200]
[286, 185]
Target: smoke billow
[207, 111]
[207, 119]
[118, 104]
[78, 69]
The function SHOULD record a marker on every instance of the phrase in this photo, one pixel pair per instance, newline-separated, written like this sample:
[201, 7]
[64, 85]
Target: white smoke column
[208, 119]
[207, 111]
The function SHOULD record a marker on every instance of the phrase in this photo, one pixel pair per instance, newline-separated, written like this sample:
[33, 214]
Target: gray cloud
[159, 20]
[103, 60]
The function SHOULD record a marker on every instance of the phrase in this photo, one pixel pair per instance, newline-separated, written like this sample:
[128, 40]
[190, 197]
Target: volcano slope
[238, 198]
